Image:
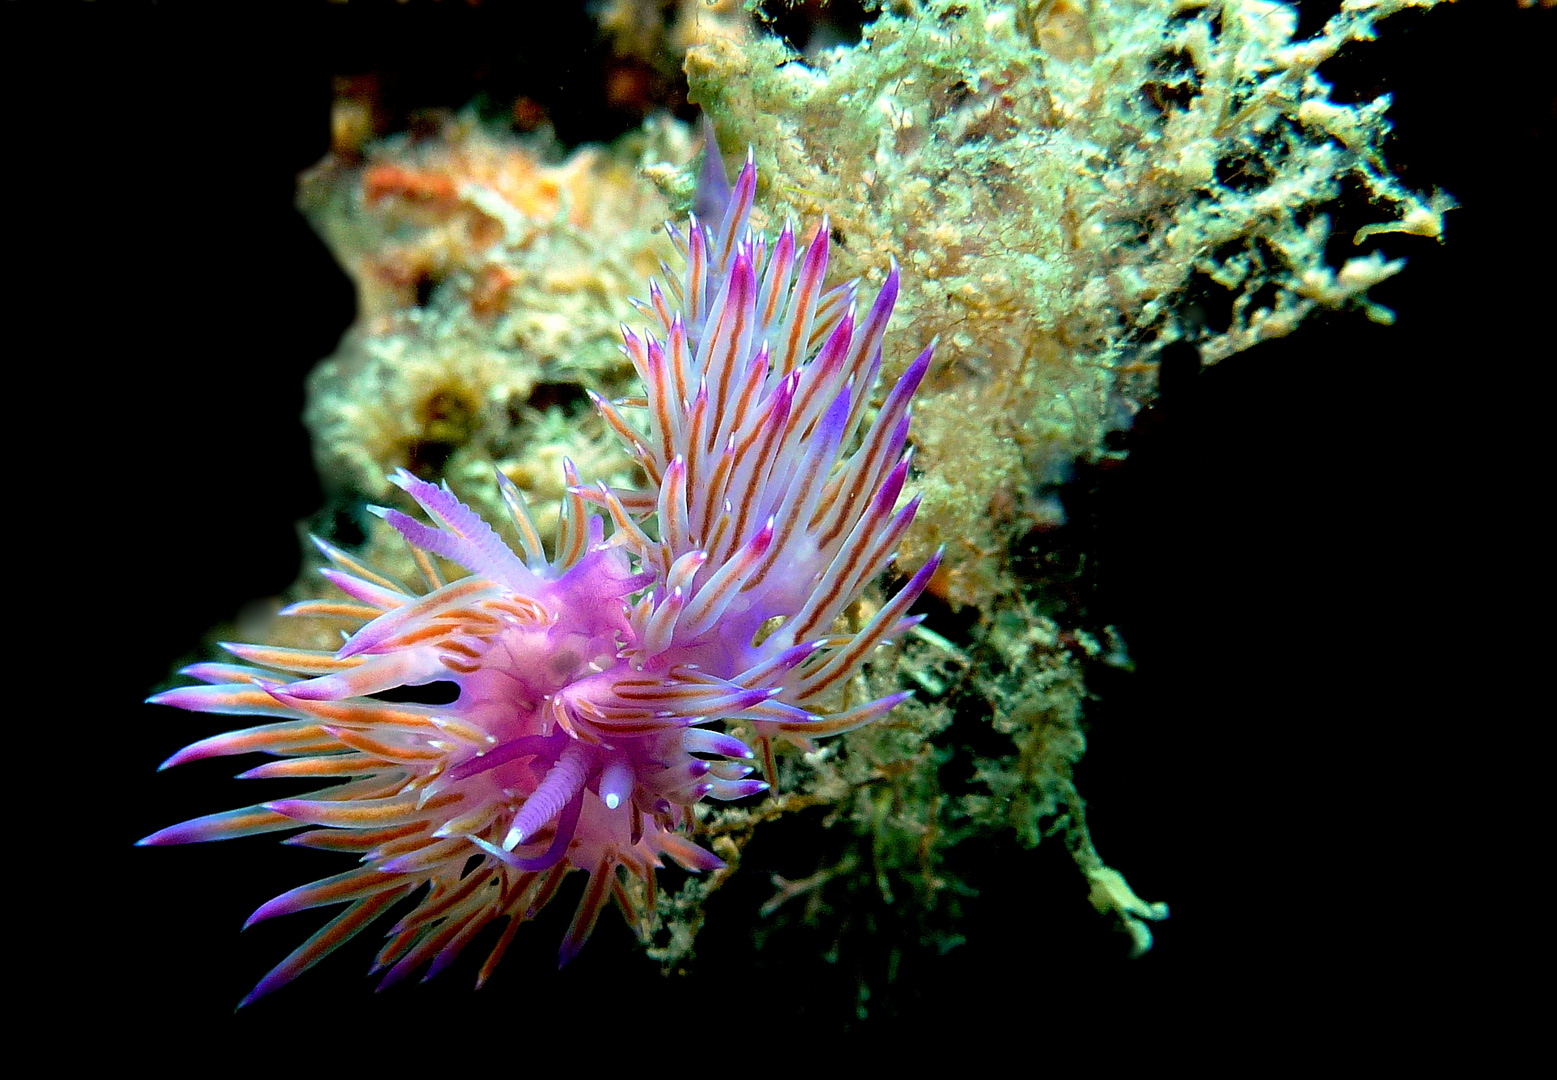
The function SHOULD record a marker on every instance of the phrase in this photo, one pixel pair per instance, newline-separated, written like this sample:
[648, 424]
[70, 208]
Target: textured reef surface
[1070, 187]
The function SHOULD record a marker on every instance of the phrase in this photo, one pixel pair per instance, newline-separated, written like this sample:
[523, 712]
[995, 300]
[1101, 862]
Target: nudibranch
[598, 682]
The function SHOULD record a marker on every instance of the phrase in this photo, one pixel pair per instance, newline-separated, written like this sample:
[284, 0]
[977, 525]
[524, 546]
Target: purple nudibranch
[594, 681]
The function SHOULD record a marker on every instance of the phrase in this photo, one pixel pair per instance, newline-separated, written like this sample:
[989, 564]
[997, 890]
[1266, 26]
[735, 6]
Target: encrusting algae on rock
[490, 286]
[1057, 178]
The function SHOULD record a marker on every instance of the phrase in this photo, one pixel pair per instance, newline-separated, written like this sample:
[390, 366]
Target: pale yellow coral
[1054, 175]
[491, 285]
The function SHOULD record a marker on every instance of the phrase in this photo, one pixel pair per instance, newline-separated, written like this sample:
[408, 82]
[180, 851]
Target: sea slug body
[595, 680]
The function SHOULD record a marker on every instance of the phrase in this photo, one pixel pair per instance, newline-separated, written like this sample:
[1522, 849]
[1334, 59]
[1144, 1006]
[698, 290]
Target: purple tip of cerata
[712, 196]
